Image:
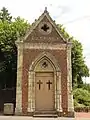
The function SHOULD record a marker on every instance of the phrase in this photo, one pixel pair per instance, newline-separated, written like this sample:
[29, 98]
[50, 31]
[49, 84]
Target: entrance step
[45, 115]
[45, 112]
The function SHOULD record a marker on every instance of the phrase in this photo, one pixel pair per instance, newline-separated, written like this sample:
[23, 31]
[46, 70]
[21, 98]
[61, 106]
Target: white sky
[73, 14]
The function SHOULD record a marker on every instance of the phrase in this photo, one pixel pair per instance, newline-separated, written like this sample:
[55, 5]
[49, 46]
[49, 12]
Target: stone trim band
[42, 46]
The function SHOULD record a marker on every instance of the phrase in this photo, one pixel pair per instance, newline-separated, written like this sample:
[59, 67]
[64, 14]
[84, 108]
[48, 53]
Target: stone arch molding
[49, 57]
[57, 80]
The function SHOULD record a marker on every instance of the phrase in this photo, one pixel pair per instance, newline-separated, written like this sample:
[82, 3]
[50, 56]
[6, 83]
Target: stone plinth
[8, 108]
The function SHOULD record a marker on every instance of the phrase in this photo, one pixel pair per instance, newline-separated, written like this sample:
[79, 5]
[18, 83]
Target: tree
[86, 87]
[81, 97]
[79, 68]
[8, 50]
[4, 15]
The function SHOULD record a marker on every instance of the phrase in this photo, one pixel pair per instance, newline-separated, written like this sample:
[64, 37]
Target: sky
[73, 14]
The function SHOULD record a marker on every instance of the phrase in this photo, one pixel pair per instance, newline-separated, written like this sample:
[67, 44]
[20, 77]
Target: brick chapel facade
[44, 78]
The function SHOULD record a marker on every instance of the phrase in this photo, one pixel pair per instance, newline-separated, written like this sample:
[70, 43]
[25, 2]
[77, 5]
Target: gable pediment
[44, 30]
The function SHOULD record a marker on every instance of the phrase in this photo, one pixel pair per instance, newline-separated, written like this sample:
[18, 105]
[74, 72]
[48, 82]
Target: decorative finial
[45, 9]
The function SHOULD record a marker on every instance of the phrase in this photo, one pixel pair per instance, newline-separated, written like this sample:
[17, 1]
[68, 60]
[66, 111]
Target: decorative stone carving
[45, 28]
[31, 82]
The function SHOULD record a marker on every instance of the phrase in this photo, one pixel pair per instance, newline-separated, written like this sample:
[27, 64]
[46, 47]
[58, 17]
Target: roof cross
[45, 9]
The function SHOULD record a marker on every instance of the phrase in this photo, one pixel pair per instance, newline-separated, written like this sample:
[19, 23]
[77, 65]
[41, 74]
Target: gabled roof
[35, 24]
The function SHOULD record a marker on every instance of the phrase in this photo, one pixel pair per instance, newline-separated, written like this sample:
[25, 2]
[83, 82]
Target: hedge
[82, 109]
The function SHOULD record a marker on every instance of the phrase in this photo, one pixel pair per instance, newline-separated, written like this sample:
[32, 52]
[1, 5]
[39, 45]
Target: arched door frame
[57, 81]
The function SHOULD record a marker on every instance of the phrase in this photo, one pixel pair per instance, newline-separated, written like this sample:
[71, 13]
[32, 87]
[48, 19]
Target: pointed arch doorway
[44, 87]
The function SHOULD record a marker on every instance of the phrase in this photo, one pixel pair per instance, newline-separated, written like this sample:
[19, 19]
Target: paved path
[31, 118]
[82, 114]
[79, 116]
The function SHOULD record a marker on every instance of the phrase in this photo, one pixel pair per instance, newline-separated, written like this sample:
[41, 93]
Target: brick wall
[29, 56]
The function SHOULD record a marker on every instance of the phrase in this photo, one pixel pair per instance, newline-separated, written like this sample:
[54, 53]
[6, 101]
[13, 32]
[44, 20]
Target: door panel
[44, 89]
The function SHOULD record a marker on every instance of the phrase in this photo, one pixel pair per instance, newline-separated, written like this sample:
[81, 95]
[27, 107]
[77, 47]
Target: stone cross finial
[45, 9]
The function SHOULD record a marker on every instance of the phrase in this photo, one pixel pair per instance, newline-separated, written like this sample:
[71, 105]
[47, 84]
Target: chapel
[44, 72]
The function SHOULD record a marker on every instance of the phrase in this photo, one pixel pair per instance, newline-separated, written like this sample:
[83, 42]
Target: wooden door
[44, 92]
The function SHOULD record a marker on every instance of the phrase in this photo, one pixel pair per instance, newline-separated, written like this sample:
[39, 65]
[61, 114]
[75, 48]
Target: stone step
[45, 115]
[45, 112]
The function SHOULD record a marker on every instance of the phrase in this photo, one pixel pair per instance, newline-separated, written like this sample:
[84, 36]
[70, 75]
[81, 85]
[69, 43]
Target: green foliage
[86, 87]
[82, 108]
[79, 68]
[8, 50]
[81, 91]
[4, 15]
[81, 97]
[63, 32]
[20, 26]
